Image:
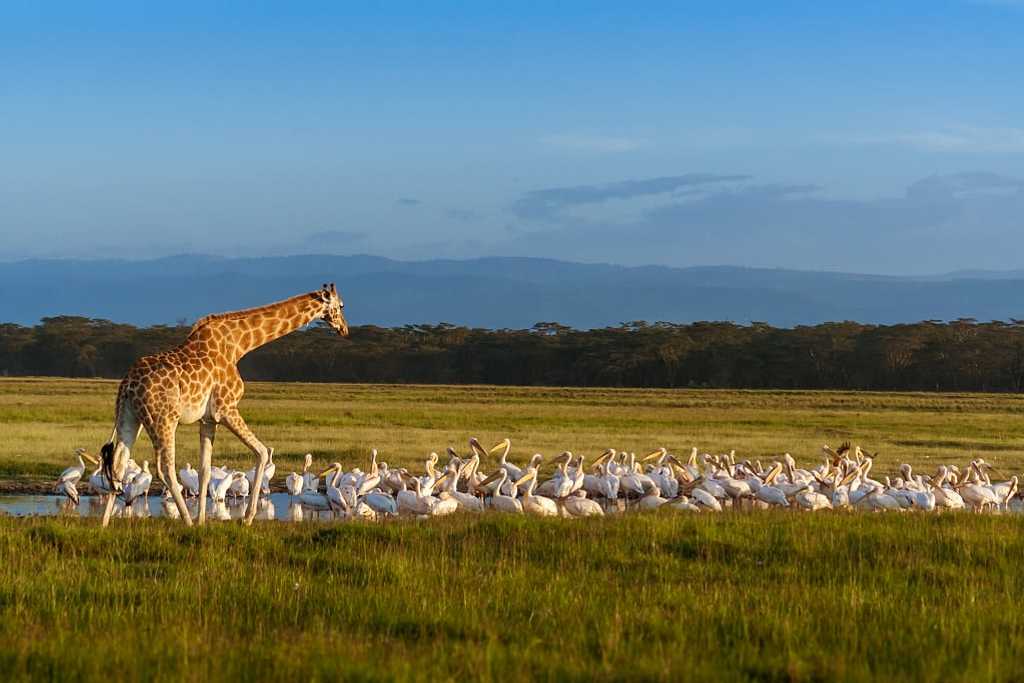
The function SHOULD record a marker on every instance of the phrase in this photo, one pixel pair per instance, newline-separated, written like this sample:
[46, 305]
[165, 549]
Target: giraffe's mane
[244, 312]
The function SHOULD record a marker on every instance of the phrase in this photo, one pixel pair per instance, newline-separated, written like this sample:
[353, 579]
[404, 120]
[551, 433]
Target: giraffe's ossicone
[199, 381]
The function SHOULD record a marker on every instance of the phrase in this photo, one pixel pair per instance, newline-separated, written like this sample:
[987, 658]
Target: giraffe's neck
[239, 333]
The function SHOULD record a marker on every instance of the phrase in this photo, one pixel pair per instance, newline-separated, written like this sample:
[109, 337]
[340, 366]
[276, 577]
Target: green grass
[744, 596]
[43, 420]
[768, 596]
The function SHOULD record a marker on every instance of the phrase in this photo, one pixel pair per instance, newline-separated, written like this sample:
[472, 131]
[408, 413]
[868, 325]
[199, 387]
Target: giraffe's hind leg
[207, 433]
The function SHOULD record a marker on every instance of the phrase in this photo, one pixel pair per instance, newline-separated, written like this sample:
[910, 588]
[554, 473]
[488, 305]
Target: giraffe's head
[333, 311]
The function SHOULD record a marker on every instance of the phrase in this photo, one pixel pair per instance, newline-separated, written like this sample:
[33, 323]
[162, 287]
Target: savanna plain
[670, 596]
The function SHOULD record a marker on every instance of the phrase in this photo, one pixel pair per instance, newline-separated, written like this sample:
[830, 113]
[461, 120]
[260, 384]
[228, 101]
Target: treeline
[962, 355]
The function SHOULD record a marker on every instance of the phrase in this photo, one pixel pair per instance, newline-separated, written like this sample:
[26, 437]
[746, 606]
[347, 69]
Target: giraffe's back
[175, 383]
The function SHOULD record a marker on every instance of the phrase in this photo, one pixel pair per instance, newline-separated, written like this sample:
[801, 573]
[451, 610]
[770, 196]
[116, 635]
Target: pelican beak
[329, 470]
[437, 482]
[87, 457]
[525, 478]
[850, 477]
[651, 456]
[500, 446]
[601, 459]
[491, 479]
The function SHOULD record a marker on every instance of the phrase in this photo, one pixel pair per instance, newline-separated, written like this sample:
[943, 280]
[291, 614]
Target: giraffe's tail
[107, 458]
[108, 449]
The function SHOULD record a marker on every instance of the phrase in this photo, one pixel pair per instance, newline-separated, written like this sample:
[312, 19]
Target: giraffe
[199, 381]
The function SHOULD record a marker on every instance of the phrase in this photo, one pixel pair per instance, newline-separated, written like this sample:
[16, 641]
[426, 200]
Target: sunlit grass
[758, 596]
[43, 420]
[728, 597]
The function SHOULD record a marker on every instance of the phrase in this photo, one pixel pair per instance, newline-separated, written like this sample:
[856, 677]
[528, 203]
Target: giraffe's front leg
[109, 509]
[163, 444]
[207, 433]
[233, 420]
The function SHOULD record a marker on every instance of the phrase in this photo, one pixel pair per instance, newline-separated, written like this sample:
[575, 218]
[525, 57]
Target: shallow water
[280, 506]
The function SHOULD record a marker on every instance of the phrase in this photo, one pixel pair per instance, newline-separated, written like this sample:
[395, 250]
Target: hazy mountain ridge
[495, 291]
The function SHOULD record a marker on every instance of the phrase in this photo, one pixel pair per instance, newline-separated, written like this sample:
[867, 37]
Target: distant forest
[963, 355]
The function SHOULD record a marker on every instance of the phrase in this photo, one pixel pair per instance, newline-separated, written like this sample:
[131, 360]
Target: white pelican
[560, 484]
[131, 469]
[239, 488]
[504, 446]
[809, 499]
[74, 473]
[500, 501]
[368, 481]
[682, 503]
[344, 499]
[976, 494]
[268, 475]
[139, 485]
[189, 478]
[465, 501]
[630, 482]
[536, 505]
[219, 489]
[170, 509]
[878, 500]
[578, 505]
[414, 502]
[295, 482]
[665, 478]
[704, 500]
[428, 479]
[596, 484]
[945, 497]
[765, 492]
[310, 482]
[311, 497]
[652, 500]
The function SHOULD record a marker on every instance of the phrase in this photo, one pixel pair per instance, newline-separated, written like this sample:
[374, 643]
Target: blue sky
[875, 136]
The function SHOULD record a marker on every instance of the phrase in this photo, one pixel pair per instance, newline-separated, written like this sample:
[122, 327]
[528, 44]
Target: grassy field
[743, 596]
[768, 596]
[43, 420]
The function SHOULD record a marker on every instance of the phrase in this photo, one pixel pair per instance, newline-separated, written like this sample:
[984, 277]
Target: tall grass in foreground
[766, 596]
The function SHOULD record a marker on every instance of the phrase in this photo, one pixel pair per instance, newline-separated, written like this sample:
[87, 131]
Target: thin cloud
[999, 3]
[937, 224]
[548, 203]
[949, 139]
[407, 201]
[335, 238]
[464, 215]
[593, 143]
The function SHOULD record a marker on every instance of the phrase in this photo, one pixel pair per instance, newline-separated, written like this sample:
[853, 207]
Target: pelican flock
[613, 482]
